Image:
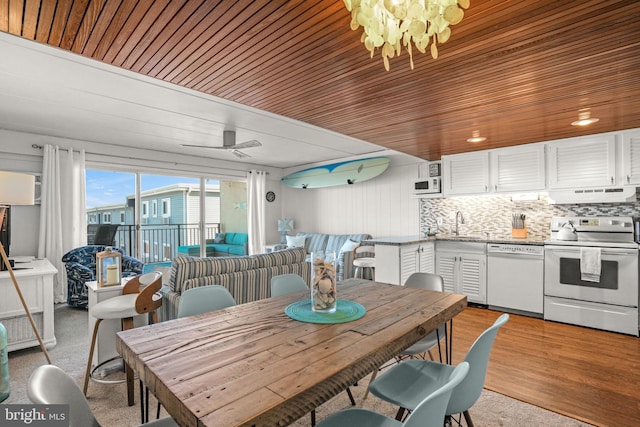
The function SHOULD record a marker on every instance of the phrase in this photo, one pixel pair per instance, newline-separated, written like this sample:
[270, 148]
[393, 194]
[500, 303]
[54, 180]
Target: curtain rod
[40, 147]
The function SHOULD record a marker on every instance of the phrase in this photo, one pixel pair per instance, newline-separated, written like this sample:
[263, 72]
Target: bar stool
[139, 296]
[360, 263]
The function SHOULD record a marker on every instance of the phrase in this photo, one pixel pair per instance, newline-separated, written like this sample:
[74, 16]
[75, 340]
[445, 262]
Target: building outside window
[166, 208]
[154, 208]
[145, 209]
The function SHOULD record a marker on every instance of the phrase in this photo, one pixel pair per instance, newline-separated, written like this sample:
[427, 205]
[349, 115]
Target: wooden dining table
[253, 365]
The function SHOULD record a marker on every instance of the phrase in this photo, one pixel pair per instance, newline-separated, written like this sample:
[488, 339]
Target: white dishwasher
[515, 278]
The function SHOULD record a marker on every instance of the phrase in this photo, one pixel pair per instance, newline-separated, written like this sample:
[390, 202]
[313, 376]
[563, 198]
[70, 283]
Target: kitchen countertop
[484, 238]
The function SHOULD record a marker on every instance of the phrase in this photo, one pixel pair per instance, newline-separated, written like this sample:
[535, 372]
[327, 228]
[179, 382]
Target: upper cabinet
[466, 173]
[588, 161]
[512, 169]
[519, 168]
[631, 157]
[604, 164]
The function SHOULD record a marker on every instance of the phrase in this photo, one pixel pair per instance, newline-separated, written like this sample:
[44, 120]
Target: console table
[35, 278]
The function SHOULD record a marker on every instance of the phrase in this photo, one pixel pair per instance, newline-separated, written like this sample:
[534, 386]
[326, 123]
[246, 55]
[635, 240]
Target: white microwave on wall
[431, 185]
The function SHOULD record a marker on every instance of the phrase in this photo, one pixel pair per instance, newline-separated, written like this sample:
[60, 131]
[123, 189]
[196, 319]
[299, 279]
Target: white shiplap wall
[381, 207]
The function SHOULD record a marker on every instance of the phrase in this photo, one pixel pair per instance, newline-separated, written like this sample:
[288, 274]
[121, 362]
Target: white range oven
[592, 281]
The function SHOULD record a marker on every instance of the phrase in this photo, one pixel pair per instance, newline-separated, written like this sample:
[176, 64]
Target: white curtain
[62, 211]
[256, 184]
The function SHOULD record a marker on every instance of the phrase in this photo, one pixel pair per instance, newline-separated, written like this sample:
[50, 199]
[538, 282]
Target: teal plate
[346, 311]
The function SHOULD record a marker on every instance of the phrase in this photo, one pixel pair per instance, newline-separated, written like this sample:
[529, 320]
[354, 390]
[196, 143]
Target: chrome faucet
[459, 220]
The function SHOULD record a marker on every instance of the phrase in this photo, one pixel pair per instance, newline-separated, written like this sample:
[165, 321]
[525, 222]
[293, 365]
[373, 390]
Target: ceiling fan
[229, 143]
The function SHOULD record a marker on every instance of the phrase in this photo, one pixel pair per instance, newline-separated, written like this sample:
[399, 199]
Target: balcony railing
[159, 241]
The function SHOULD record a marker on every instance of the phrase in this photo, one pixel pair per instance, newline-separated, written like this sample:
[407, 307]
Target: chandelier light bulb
[391, 24]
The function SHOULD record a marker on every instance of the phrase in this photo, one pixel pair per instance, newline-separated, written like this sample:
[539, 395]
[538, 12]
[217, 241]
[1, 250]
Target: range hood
[594, 195]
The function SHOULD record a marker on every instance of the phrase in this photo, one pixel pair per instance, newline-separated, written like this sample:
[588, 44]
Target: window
[166, 208]
[93, 219]
[122, 217]
[154, 208]
[106, 218]
[145, 209]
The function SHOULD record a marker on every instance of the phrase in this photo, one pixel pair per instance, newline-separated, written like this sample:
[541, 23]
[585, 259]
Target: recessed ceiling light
[584, 118]
[476, 137]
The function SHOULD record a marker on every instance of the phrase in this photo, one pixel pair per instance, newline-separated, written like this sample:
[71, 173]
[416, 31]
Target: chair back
[106, 234]
[466, 394]
[368, 249]
[287, 283]
[428, 281]
[50, 385]
[203, 299]
[431, 411]
[146, 286]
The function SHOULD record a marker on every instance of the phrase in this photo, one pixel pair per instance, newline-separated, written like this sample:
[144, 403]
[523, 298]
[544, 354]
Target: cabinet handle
[486, 188]
[495, 187]
[612, 180]
[628, 179]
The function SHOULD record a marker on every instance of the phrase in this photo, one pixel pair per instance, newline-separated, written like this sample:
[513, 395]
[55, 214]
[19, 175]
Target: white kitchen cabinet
[520, 168]
[394, 263]
[463, 267]
[466, 173]
[588, 161]
[631, 157]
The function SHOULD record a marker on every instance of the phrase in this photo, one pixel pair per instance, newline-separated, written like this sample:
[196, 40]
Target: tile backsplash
[492, 214]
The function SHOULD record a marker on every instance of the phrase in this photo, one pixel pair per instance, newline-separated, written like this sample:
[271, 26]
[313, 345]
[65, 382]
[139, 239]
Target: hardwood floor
[587, 374]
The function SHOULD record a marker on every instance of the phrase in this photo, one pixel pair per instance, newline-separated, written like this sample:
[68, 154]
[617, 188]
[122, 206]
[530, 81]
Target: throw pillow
[295, 241]
[348, 246]
[219, 238]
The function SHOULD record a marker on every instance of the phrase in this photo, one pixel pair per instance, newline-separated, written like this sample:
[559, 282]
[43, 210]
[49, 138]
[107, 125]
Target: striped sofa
[248, 278]
[334, 243]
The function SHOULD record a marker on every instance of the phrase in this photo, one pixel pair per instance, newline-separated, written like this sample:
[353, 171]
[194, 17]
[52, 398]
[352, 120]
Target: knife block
[519, 233]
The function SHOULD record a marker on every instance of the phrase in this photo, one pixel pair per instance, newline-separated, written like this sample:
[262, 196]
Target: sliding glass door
[151, 217]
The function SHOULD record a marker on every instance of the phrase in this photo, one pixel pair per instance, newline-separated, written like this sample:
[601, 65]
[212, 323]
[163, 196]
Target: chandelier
[390, 24]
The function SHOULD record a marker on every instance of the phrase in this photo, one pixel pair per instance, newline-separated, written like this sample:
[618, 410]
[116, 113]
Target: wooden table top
[253, 365]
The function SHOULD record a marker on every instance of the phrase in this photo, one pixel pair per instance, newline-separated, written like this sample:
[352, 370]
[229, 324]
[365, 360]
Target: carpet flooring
[109, 401]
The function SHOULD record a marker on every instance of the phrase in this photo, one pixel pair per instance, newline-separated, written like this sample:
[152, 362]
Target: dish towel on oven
[590, 265]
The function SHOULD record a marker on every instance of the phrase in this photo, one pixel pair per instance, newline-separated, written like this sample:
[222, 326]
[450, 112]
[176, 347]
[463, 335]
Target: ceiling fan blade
[248, 144]
[239, 154]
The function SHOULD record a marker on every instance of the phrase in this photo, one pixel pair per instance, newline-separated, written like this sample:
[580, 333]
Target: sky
[108, 188]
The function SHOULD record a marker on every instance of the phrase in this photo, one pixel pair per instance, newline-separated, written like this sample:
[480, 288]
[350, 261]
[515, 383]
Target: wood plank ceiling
[515, 71]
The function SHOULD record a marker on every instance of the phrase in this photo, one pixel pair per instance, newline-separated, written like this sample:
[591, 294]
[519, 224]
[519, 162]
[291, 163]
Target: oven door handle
[605, 251]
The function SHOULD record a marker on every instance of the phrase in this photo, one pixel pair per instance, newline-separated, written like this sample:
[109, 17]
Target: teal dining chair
[50, 385]
[287, 283]
[429, 412]
[406, 383]
[195, 301]
[203, 299]
[431, 282]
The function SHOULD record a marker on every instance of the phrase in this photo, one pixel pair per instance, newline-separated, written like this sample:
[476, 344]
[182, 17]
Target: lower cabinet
[394, 263]
[463, 267]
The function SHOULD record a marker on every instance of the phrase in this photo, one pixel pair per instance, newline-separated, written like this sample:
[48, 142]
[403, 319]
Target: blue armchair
[80, 264]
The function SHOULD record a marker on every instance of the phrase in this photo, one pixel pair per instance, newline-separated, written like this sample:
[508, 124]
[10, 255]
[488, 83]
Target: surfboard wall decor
[343, 173]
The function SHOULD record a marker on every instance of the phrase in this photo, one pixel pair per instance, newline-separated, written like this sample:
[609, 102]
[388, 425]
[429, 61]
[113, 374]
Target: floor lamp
[18, 189]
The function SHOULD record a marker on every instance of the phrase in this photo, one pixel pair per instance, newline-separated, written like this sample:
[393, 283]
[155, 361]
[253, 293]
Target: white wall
[381, 207]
